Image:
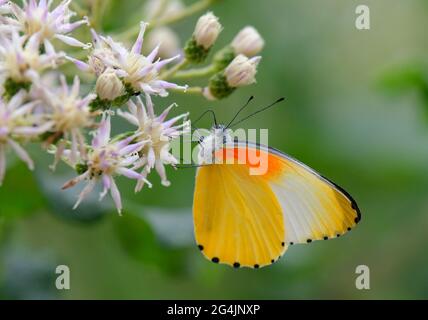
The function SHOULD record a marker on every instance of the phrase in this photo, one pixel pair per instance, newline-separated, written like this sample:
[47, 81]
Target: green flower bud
[207, 30]
[195, 53]
[218, 88]
[205, 35]
[81, 168]
[223, 58]
[12, 87]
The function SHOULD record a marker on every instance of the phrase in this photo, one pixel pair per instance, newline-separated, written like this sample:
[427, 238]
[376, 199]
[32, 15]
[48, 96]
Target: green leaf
[404, 78]
[61, 202]
[144, 239]
[20, 194]
[27, 274]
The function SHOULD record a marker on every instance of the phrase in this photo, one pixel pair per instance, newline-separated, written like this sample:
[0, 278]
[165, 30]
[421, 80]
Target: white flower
[109, 86]
[18, 124]
[158, 132]
[21, 60]
[248, 42]
[101, 51]
[37, 18]
[242, 71]
[207, 30]
[68, 114]
[104, 160]
[167, 39]
[139, 72]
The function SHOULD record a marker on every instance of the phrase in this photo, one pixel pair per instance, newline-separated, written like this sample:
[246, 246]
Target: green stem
[191, 90]
[173, 18]
[97, 12]
[195, 73]
[172, 71]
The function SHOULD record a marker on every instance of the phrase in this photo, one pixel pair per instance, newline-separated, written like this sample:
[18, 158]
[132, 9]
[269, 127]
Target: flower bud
[207, 30]
[248, 42]
[241, 71]
[168, 40]
[218, 88]
[223, 58]
[109, 86]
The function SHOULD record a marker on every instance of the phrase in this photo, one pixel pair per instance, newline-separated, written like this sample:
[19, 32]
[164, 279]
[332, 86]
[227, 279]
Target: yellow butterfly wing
[237, 218]
[314, 208]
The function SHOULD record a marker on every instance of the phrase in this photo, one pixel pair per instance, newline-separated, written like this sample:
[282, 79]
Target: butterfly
[249, 220]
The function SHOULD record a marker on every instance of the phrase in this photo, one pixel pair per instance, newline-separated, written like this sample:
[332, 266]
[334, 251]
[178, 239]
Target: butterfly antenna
[239, 111]
[258, 111]
[203, 114]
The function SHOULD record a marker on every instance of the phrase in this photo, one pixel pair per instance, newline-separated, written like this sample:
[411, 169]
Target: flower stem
[195, 73]
[172, 71]
[173, 18]
[190, 90]
[98, 9]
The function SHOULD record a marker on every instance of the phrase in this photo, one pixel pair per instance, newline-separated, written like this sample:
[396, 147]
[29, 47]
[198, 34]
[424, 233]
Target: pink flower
[37, 18]
[106, 159]
[18, 124]
[158, 134]
[139, 72]
[69, 114]
[21, 59]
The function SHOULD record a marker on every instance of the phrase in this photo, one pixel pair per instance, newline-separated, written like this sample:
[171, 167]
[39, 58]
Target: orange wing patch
[264, 164]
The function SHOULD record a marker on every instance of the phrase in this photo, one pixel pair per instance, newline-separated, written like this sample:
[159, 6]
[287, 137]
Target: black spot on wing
[278, 152]
[354, 204]
[215, 260]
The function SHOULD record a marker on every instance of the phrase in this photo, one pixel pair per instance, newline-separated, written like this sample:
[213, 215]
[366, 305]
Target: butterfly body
[247, 217]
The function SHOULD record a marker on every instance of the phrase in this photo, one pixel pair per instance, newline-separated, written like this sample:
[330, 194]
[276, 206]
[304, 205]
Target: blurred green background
[356, 111]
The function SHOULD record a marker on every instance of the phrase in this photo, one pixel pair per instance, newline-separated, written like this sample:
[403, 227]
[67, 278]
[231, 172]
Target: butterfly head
[219, 136]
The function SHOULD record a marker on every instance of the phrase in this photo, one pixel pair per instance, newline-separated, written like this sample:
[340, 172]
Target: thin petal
[72, 41]
[22, 154]
[115, 194]
[86, 190]
[2, 163]
[131, 174]
[136, 48]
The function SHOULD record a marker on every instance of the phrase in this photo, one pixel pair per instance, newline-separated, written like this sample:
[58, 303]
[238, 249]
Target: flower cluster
[37, 18]
[137, 72]
[70, 111]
